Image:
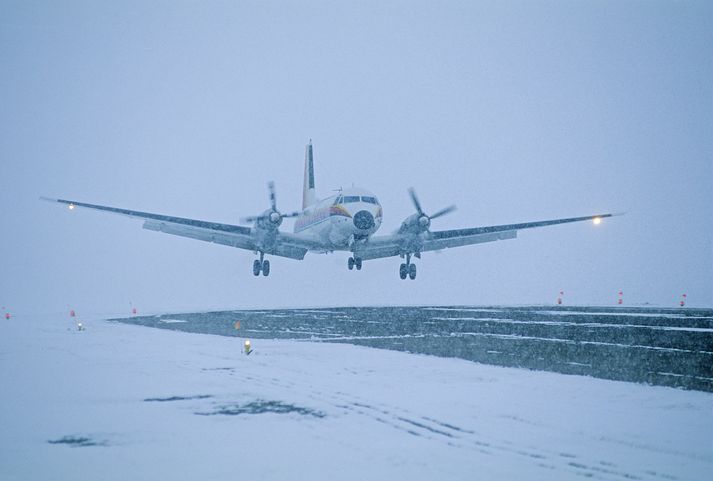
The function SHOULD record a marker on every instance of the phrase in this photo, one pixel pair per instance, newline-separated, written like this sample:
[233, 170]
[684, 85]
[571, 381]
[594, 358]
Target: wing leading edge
[225, 234]
[401, 244]
[158, 218]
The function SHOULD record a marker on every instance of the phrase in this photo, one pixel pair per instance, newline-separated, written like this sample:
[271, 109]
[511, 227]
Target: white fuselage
[352, 215]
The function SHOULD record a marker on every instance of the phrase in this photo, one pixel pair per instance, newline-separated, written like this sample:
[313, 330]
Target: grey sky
[514, 111]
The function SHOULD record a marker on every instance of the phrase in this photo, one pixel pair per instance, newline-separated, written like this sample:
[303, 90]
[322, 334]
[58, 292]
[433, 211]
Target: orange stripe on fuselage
[320, 215]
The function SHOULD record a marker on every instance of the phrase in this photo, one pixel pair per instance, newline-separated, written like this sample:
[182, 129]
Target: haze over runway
[512, 111]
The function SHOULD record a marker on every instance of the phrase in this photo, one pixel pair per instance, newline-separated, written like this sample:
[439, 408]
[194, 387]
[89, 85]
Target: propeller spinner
[272, 215]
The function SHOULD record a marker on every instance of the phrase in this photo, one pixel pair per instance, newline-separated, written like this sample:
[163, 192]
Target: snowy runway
[668, 347]
[127, 402]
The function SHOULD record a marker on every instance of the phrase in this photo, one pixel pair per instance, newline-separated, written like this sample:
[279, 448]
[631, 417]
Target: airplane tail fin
[309, 196]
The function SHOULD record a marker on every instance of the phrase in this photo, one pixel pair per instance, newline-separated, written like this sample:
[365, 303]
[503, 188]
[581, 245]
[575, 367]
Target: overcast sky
[514, 111]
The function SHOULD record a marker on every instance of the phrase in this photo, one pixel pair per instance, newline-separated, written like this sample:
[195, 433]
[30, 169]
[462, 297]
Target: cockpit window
[350, 198]
[369, 200]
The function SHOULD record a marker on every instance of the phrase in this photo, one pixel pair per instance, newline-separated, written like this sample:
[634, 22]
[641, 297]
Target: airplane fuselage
[339, 221]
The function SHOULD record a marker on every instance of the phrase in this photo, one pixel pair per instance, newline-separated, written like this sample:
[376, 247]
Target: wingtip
[59, 201]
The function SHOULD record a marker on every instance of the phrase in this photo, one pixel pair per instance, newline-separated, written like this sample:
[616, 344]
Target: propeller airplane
[346, 221]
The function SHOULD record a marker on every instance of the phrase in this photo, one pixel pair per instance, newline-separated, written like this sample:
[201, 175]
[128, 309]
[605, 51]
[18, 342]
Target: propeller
[423, 219]
[272, 215]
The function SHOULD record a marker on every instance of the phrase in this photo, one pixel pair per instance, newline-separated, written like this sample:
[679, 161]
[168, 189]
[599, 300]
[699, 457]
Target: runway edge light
[559, 299]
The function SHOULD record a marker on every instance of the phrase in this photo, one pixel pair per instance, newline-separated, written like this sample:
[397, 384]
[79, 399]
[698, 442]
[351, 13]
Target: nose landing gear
[408, 269]
[261, 265]
[353, 262]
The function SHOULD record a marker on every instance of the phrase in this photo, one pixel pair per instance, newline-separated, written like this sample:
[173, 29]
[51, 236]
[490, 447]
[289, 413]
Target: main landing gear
[407, 269]
[353, 262]
[261, 265]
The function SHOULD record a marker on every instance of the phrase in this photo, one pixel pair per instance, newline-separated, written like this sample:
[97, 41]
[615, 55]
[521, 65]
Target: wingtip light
[597, 220]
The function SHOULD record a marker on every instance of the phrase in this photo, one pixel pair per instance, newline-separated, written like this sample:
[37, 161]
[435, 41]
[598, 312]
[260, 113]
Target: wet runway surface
[668, 347]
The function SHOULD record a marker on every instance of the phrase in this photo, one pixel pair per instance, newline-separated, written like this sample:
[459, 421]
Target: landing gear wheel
[357, 263]
[403, 271]
[350, 263]
[412, 271]
[257, 265]
[265, 268]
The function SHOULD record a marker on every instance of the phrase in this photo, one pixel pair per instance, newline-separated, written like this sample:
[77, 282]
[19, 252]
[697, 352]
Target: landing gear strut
[261, 265]
[353, 262]
[407, 269]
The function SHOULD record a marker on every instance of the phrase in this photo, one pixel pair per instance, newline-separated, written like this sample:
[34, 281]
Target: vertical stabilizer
[309, 196]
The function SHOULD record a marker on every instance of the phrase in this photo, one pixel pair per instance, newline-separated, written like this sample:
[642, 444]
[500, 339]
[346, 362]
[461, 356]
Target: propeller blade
[274, 215]
[273, 200]
[416, 203]
[445, 211]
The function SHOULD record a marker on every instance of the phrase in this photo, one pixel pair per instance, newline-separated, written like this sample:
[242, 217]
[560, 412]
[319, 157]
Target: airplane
[346, 221]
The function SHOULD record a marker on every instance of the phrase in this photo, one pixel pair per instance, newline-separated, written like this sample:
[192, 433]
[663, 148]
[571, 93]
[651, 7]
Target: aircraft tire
[256, 268]
[350, 263]
[403, 271]
[266, 268]
[412, 271]
[357, 263]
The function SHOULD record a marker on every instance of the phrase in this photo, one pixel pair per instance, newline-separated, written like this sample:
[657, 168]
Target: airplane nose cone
[363, 220]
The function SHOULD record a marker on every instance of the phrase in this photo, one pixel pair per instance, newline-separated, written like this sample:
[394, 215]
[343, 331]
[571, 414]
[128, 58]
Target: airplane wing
[398, 244]
[225, 234]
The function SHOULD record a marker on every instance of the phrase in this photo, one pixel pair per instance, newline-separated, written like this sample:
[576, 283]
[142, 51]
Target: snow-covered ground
[125, 402]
